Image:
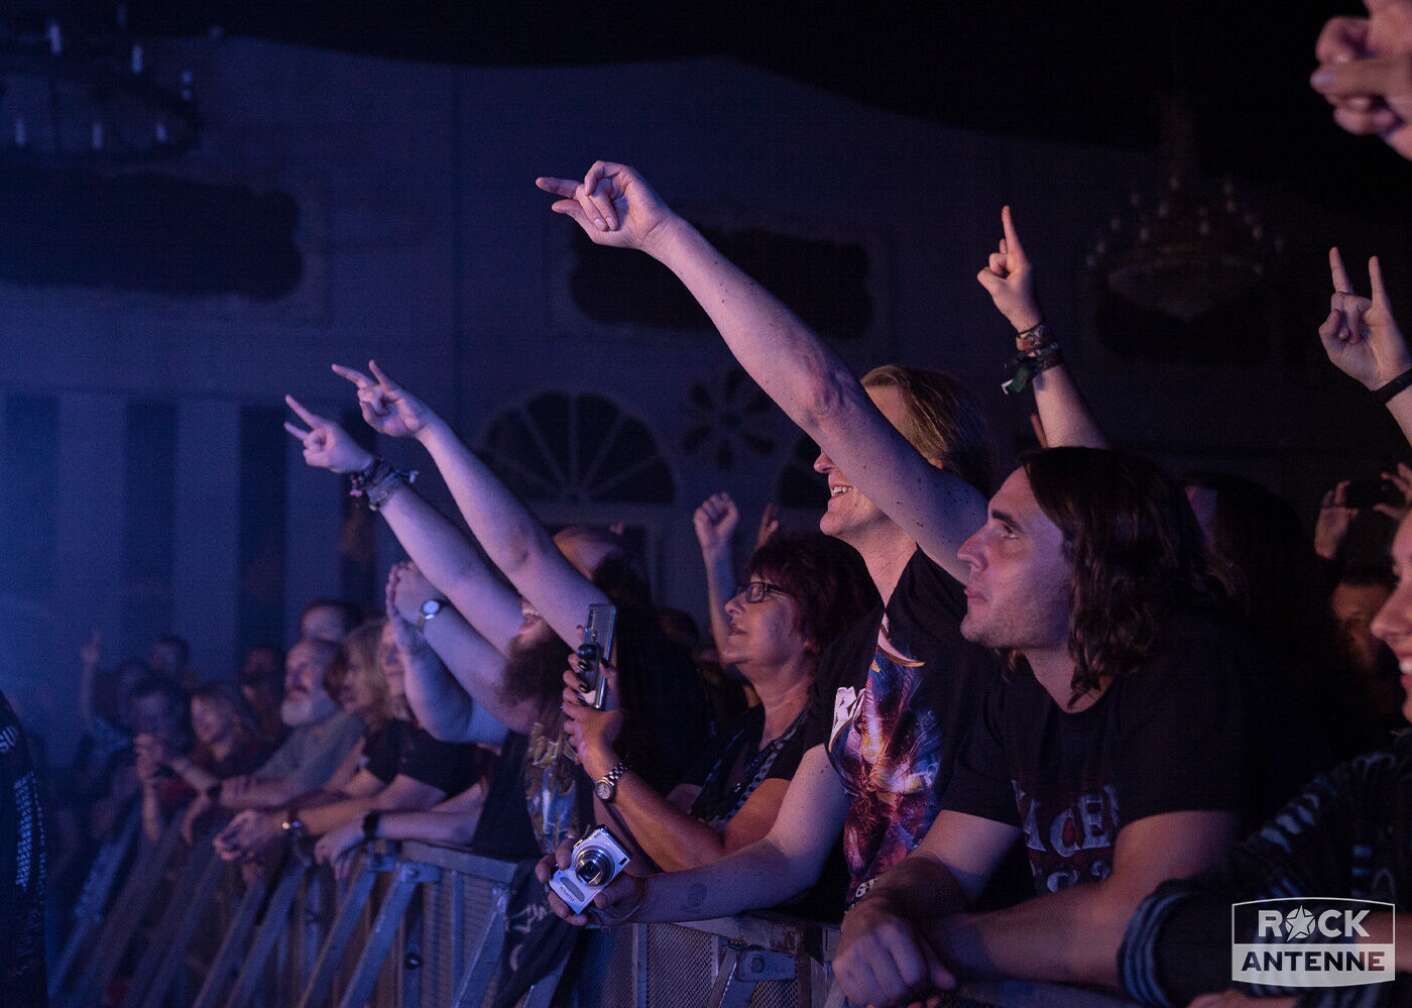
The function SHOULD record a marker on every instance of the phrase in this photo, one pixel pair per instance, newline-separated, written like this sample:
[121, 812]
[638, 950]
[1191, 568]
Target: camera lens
[593, 867]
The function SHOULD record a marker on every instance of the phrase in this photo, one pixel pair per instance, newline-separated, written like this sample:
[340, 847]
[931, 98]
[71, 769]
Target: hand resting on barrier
[615, 905]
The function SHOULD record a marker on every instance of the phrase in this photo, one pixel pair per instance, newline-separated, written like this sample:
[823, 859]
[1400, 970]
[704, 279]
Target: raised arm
[715, 522]
[455, 691]
[439, 549]
[1009, 279]
[614, 206]
[1363, 341]
[512, 537]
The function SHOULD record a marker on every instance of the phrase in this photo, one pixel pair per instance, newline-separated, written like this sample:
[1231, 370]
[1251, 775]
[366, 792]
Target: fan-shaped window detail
[576, 449]
[727, 415]
[799, 485]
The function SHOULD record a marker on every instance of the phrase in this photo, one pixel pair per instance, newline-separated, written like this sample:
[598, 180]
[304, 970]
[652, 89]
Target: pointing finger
[383, 377]
[352, 374]
[557, 186]
[310, 418]
[1012, 237]
[1340, 275]
[1375, 280]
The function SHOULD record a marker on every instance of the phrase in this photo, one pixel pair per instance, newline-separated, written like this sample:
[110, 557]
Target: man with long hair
[1116, 746]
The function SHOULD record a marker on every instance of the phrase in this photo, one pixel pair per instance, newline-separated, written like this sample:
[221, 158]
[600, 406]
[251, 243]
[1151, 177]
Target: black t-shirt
[1167, 736]
[504, 830]
[382, 750]
[404, 748]
[21, 869]
[893, 716]
[732, 765]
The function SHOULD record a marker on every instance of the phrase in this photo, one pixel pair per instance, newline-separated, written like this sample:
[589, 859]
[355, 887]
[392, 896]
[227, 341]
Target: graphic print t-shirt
[22, 870]
[1165, 737]
[893, 710]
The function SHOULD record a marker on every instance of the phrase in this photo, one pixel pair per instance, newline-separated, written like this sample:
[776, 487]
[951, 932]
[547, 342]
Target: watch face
[603, 790]
[430, 608]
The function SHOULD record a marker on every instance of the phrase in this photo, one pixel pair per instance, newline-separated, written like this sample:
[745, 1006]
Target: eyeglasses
[755, 591]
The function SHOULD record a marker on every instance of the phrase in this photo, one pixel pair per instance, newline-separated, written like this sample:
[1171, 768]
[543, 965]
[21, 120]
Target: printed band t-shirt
[22, 869]
[1164, 737]
[893, 715]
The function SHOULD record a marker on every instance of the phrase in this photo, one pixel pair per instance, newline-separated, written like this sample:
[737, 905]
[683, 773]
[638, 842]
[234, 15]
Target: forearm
[761, 875]
[319, 819]
[1400, 406]
[511, 535]
[671, 838]
[790, 363]
[199, 779]
[451, 828]
[473, 675]
[1063, 413]
[453, 566]
[918, 888]
[720, 584]
[275, 793]
[1071, 936]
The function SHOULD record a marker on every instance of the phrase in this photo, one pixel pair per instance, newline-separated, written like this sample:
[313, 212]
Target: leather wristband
[1384, 394]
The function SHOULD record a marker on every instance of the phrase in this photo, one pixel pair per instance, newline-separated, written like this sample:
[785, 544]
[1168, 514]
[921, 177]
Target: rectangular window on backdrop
[261, 552]
[29, 469]
[149, 516]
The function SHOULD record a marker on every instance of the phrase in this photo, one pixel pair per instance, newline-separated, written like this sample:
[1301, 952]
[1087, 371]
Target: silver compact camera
[596, 860]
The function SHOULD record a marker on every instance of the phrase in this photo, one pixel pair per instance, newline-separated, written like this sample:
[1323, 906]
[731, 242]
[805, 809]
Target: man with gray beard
[321, 735]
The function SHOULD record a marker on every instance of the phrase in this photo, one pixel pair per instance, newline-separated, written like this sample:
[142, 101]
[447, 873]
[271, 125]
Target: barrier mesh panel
[681, 966]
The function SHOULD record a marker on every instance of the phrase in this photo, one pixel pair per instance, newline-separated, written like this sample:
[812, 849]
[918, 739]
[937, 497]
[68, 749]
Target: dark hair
[620, 577]
[944, 420]
[179, 643]
[175, 698]
[350, 614]
[1135, 548]
[1265, 564]
[826, 578]
[1368, 576]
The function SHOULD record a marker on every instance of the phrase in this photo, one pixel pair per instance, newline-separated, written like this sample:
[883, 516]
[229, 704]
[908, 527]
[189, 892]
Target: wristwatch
[606, 786]
[428, 611]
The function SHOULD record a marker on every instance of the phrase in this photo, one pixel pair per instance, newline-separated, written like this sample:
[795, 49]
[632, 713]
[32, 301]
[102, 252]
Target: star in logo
[1299, 923]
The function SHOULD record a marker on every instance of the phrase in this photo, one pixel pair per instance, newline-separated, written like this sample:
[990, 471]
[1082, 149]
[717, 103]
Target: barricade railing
[423, 926]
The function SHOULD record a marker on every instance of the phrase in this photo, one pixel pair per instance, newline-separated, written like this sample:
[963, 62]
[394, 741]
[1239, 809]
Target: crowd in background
[973, 715]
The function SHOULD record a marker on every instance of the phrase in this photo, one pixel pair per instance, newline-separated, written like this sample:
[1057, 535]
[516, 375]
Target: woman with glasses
[800, 592]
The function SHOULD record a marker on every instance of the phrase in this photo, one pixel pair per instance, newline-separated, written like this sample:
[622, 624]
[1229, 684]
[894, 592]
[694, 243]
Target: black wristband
[1384, 395]
[370, 825]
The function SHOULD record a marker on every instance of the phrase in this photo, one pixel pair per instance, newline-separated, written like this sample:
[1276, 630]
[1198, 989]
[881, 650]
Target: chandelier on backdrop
[78, 88]
[1190, 246]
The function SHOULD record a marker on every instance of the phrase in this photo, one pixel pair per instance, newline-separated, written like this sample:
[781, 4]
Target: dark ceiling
[1080, 71]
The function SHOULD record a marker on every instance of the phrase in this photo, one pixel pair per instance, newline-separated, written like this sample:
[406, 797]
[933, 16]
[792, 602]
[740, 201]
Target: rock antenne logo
[1313, 941]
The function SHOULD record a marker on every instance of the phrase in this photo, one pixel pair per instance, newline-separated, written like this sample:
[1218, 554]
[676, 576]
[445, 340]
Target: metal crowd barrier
[422, 926]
